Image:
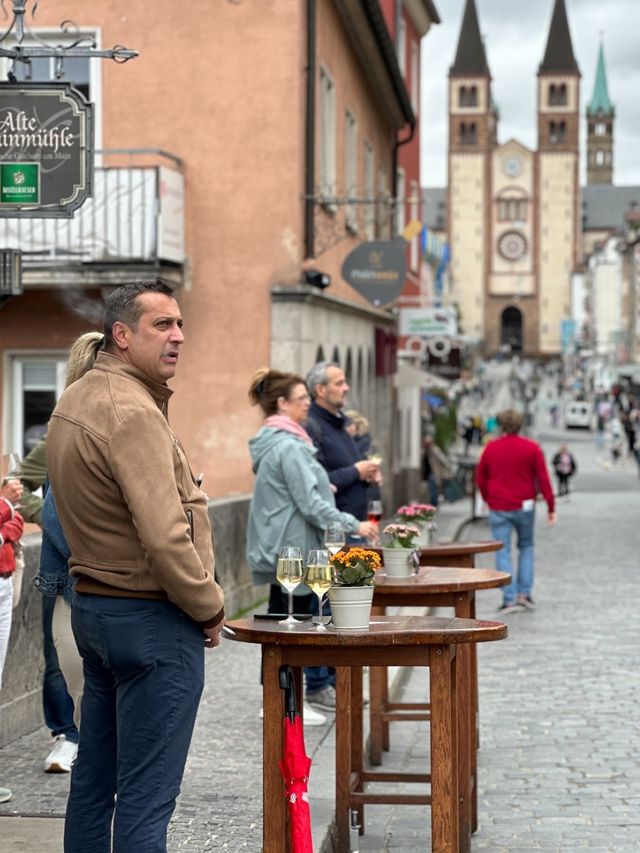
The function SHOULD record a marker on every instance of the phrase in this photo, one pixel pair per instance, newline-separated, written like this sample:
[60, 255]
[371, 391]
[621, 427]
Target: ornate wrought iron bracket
[338, 218]
[82, 46]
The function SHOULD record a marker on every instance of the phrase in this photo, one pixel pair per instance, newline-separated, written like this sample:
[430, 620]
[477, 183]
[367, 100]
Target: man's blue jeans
[144, 674]
[56, 702]
[503, 523]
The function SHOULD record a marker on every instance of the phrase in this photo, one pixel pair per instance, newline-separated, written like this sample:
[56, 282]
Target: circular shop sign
[439, 347]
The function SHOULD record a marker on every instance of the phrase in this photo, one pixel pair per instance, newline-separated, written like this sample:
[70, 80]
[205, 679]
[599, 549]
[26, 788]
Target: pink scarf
[288, 425]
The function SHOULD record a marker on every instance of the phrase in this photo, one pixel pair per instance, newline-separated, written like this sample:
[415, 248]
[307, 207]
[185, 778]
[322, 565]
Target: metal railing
[136, 214]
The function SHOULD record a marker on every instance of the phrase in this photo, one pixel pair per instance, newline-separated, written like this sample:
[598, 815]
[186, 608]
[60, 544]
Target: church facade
[513, 215]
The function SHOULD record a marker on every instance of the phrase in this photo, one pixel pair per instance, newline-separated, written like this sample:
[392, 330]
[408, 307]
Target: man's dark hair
[123, 306]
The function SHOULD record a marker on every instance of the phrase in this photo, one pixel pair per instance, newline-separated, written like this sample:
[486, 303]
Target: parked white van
[578, 413]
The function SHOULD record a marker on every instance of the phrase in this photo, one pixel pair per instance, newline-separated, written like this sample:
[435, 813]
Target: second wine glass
[319, 576]
[334, 538]
[289, 574]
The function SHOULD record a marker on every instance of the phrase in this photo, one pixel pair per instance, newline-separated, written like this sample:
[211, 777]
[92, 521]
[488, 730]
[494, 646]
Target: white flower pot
[350, 606]
[397, 562]
[427, 534]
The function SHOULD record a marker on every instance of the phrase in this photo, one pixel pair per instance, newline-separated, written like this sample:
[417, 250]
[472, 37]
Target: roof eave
[364, 24]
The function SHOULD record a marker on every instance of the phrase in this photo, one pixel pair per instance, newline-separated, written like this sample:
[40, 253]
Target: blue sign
[567, 334]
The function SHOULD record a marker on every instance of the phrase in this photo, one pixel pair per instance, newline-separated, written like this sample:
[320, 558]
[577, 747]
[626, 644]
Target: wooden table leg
[444, 750]
[343, 755]
[467, 758]
[377, 700]
[377, 674]
[357, 738]
[275, 830]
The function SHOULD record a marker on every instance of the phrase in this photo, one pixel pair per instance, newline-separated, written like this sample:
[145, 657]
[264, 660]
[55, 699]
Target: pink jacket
[11, 527]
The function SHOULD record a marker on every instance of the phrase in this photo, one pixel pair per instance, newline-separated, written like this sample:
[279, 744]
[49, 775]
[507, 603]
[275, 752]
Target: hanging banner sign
[46, 150]
[376, 270]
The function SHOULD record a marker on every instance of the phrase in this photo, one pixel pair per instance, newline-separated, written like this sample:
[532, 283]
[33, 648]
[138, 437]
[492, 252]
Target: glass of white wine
[319, 576]
[290, 574]
[334, 538]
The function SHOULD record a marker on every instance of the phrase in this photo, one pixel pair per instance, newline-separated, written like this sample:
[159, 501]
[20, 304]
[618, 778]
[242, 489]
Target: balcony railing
[135, 216]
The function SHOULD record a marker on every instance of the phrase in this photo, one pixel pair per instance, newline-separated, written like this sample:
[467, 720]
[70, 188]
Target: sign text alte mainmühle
[46, 149]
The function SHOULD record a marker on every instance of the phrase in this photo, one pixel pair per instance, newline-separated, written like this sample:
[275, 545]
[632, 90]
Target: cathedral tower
[557, 180]
[472, 134]
[600, 118]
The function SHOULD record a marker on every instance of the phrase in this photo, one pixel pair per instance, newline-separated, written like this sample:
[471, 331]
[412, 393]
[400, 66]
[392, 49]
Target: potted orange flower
[351, 594]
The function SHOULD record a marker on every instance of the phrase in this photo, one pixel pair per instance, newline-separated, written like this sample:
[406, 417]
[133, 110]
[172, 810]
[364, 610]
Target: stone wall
[20, 697]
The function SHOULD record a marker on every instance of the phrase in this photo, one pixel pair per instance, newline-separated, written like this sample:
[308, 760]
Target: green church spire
[600, 100]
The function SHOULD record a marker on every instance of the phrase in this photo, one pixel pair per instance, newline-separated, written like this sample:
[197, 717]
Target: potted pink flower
[397, 555]
[422, 516]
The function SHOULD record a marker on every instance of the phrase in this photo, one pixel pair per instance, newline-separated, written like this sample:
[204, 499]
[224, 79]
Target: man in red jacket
[510, 474]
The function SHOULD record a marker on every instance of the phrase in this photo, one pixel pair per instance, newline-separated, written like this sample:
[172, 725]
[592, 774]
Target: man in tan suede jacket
[145, 602]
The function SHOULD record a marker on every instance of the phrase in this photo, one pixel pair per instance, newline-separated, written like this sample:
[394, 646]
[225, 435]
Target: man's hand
[12, 491]
[368, 530]
[212, 636]
[367, 470]
[551, 519]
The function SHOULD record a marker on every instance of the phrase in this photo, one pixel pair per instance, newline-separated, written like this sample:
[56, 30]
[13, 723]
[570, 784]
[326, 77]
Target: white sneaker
[313, 717]
[5, 795]
[62, 756]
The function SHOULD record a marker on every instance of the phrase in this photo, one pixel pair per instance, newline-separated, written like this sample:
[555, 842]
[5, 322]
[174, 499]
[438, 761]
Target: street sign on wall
[376, 269]
[46, 149]
[428, 321]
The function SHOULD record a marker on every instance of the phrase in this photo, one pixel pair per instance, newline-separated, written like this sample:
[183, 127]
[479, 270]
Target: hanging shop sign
[428, 321]
[46, 150]
[376, 270]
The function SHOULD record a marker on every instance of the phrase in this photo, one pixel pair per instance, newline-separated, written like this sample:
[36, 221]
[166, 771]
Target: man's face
[333, 395]
[153, 346]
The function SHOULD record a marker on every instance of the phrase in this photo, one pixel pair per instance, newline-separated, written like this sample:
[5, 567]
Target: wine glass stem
[290, 593]
[320, 600]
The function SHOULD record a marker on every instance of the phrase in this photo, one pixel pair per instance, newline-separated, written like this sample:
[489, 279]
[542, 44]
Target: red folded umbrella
[294, 766]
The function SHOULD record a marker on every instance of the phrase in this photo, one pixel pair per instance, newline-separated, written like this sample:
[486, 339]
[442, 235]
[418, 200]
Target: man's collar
[320, 411]
[112, 364]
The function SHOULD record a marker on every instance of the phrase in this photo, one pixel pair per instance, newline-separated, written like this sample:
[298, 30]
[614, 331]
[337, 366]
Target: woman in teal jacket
[293, 499]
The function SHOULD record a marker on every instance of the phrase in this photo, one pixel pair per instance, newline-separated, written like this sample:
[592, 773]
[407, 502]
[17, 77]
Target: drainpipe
[310, 131]
[394, 165]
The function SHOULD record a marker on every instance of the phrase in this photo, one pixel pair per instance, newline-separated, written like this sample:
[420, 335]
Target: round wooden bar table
[394, 641]
[438, 586]
[459, 554]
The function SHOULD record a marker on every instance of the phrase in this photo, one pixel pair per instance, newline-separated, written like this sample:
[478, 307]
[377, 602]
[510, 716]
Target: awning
[408, 376]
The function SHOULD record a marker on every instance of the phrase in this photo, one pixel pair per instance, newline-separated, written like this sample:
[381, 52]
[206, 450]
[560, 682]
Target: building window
[468, 133]
[415, 77]
[351, 168]
[557, 131]
[599, 158]
[400, 201]
[512, 210]
[327, 134]
[601, 129]
[80, 71]
[402, 46]
[468, 96]
[557, 95]
[369, 191]
[37, 382]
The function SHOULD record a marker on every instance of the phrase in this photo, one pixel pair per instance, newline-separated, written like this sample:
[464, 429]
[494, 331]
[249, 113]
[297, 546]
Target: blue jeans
[56, 702]
[502, 524]
[143, 666]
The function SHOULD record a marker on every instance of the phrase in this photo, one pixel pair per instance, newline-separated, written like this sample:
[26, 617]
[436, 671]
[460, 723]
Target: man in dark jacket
[337, 451]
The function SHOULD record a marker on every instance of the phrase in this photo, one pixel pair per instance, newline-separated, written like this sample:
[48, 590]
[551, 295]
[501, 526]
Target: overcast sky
[515, 33]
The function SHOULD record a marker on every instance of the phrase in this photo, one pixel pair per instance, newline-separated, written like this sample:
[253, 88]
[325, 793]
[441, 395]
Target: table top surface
[441, 579]
[458, 549]
[382, 631]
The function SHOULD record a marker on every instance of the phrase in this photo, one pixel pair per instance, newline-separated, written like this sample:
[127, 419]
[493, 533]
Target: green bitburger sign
[46, 149]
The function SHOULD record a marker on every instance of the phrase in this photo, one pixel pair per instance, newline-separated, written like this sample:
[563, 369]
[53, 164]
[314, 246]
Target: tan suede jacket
[135, 520]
